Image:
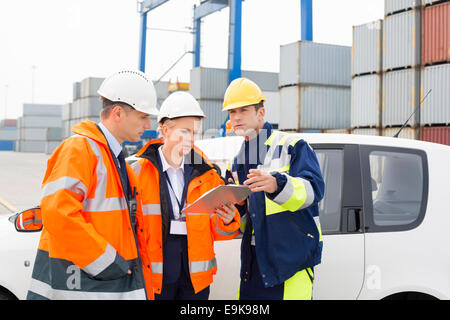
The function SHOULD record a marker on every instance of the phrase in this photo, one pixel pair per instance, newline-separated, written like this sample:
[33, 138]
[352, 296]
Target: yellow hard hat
[242, 92]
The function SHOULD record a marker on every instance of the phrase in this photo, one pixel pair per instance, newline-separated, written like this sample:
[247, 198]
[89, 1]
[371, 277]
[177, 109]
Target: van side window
[397, 187]
[332, 166]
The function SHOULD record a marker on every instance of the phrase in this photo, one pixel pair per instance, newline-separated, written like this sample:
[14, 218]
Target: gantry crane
[208, 7]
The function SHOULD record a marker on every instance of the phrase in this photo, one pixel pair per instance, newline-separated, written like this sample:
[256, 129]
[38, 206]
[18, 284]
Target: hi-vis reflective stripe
[136, 166]
[319, 228]
[68, 183]
[45, 290]
[157, 267]
[100, 202]
[200, 266]
[221, 232]
[296, 195]
[275, 140]
[195, 266]
[102, 262]
[151, 209]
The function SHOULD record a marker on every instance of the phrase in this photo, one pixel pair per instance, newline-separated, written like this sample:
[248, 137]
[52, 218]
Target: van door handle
[354, 220]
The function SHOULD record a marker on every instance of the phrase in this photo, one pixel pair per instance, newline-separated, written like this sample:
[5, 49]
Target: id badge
[178, 227]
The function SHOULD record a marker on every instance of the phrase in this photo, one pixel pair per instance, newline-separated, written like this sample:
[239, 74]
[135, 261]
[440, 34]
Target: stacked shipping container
[86, 104]
[39, 128]
[435, 111]
[366, 93]
[416, 56]
[314, 83]
[8, 134]
[401, 66]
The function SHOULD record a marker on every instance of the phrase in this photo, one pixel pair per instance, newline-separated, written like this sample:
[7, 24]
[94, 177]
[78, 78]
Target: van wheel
[410, 296]
[6, 295]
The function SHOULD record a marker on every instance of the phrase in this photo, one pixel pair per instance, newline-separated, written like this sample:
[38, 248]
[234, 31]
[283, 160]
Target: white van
[384, 217]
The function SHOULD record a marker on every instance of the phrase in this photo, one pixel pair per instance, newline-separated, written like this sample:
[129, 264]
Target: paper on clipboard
[216, 197]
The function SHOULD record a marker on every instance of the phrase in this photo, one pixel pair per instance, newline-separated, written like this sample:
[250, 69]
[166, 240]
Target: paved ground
[21, 176]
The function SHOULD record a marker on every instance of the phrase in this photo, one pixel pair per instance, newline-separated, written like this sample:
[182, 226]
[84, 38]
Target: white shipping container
[162, 89]
[211, 83]
[94, 119]
[267, 81]
[41, 122]
[305, 62]
[208, 83]
[401, 95]
[65, 111]
[50, 146]
[76, 91]
[89, 87]
[366, 101]
[314, 107]
[8, 134]
[37, 134]
[367, 48]
[272, 106]
[392, 6]
[34, 109]
[215, 117]
[32, 146]
[75, 110]
[436, 107]
[66, 129]
[54, 134]
[402, 40]
[406, 133]
[365, 131]
[90, 107]
[428, 2]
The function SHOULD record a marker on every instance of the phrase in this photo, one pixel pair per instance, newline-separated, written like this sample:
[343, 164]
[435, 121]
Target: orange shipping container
[436, 34]
[436, 134]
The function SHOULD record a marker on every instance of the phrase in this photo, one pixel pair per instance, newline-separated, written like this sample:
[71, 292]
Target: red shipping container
[10, 123]
[436, 34]
[436, 134]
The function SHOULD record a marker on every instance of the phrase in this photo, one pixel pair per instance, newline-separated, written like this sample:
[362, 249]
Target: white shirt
[116, 148]
[176, 177]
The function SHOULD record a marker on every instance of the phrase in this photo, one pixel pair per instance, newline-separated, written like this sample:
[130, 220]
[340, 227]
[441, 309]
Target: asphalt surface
[21, 176]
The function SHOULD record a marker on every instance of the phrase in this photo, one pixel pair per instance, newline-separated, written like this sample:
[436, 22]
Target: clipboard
[216, 197]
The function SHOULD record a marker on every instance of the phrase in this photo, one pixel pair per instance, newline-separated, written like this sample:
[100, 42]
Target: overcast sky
[69, 40]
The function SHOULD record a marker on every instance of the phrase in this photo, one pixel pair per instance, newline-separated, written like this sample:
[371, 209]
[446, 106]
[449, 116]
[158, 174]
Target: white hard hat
[131, 87]
[180, 104]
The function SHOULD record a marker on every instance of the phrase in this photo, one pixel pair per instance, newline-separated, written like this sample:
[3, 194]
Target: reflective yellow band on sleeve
[296, 195]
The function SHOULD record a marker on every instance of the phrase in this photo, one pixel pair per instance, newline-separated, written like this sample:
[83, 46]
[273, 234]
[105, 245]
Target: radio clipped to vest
[132, 205]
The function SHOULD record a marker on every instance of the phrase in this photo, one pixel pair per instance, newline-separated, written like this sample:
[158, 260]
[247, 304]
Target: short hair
[259, 105]
[108, 105]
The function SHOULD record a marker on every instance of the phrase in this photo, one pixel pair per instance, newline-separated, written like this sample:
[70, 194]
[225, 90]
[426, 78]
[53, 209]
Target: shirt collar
[115, 146]
[165, 164]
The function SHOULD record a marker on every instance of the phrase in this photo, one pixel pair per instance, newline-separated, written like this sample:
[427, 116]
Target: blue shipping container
[7, 145]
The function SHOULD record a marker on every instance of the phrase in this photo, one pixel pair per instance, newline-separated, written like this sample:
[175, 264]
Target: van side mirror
[29, 220]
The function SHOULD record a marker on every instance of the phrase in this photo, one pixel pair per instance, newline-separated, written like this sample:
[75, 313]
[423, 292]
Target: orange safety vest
[202, 229]
[88, 244]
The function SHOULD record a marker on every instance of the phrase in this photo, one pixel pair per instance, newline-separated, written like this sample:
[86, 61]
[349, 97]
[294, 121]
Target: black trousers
[182, 289]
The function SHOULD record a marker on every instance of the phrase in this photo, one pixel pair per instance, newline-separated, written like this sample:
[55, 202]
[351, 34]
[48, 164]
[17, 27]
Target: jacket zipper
[301, 229]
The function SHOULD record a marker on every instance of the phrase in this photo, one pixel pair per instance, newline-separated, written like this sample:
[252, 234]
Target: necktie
[124, 175]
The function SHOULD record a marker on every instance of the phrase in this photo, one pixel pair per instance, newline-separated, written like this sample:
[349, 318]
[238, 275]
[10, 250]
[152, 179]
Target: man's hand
[226, 212]
[259, 180]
